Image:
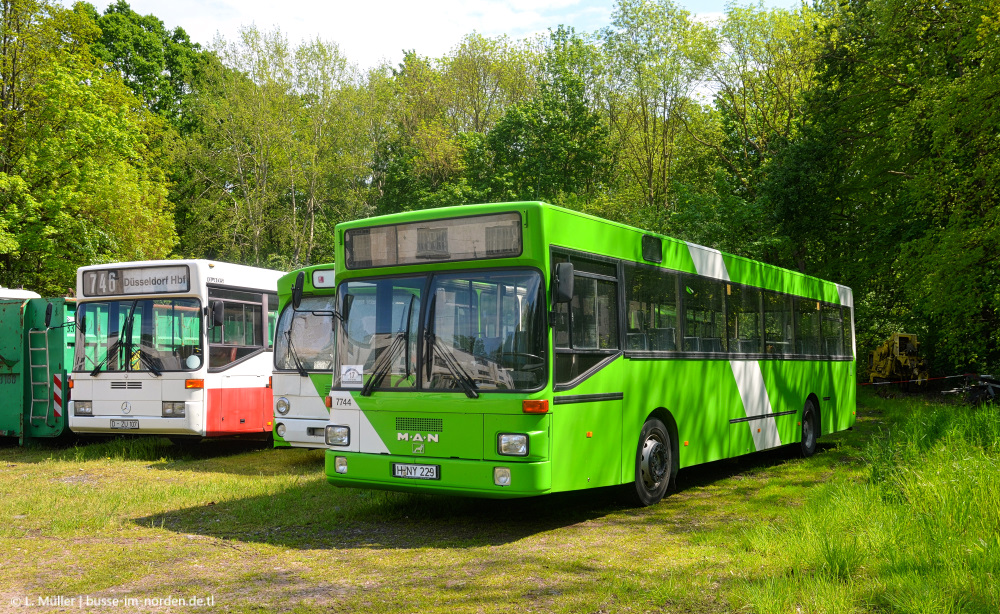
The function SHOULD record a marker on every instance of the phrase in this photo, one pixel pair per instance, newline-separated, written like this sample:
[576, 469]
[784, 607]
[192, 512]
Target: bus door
[241, 401]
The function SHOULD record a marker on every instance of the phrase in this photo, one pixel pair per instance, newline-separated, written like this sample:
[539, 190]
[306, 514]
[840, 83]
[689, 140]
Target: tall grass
[916, 530]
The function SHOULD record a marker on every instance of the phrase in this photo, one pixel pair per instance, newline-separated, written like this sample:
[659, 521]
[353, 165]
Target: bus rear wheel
[810, 429]
[653, 463]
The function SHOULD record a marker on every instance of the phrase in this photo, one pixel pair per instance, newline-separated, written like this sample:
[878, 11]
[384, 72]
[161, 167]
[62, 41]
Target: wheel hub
[654, 462]
[808, 432]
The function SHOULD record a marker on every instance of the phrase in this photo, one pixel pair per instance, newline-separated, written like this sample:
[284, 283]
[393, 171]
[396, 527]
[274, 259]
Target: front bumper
[470, 478]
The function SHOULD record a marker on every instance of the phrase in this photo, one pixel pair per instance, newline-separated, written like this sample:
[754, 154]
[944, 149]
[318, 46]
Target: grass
[900, 515]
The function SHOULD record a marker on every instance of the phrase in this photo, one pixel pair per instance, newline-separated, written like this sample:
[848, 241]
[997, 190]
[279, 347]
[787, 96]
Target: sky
[369, 31]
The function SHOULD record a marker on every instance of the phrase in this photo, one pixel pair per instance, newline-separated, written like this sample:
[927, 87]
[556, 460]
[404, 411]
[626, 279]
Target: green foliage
[82, 179]
[918, 535]
[158, 65]
[854, 141]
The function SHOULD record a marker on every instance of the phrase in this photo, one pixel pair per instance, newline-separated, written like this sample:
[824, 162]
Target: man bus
[303, 358]
[511, 350]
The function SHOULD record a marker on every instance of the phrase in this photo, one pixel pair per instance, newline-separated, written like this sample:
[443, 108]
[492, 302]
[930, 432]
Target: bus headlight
[280, 429]
[282, 405]
[337, 435]
[501, 476]
[83, 408]
[340, 464]
[512, 444]
[173, 409]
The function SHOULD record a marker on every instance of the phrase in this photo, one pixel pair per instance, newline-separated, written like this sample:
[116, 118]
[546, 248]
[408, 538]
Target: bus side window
[242, 329]
[586, 329]
[704, 321]
[651, 301]
[272, 317]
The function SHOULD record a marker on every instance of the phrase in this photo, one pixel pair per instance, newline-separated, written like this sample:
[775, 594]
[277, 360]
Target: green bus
[303, 357]
[517, 349]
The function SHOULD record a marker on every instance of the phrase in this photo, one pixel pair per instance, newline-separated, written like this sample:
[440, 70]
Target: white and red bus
[181, 348]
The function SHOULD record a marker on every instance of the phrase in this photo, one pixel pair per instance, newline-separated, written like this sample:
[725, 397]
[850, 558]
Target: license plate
[124, 424]
[416, 472]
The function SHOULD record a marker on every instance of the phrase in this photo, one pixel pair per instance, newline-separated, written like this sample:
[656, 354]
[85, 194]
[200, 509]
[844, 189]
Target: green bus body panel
[17, 318]
[585, 440]
[579, 461]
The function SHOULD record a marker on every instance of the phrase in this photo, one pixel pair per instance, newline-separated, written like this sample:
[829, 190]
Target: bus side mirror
[218, 313]
[562, 283]
[48, 315]
[300, 282]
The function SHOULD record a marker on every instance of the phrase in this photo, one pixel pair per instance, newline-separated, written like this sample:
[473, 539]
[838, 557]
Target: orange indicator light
[529, 406]
[194, 383]
[590, 434]
[685, 443]
[758, 430]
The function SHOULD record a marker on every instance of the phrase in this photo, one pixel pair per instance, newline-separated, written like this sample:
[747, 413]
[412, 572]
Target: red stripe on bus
[235, 411]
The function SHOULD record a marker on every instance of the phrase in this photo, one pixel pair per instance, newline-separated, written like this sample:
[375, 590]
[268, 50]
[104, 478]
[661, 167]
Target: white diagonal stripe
[750, 382]
[364, 437]
[708, 262]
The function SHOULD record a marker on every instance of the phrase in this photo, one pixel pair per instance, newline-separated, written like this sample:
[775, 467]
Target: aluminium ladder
[41, 379]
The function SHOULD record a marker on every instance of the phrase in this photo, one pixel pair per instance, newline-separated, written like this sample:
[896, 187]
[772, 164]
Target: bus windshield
[305, 336]
[480, 331]
[153, 335]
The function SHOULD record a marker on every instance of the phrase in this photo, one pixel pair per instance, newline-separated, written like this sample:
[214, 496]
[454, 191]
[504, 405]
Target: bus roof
[202, 272]
[563, 229]
[18, 293]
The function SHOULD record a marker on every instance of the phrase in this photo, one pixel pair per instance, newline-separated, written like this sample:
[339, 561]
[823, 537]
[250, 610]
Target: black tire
[810, 429]
[653, 464]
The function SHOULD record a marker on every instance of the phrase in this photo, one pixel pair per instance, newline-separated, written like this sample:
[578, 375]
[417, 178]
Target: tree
[157, 64]
[556, 145]
[656, 57]
[82, 178]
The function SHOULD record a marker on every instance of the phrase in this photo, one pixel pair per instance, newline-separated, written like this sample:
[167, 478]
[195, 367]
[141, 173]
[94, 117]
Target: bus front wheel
[810, 429]
[652, 463]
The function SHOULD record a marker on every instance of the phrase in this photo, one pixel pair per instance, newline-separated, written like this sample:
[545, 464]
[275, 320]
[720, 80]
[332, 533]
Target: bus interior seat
[692, 344]
[662, 339]
[636, 341]
[711, 344]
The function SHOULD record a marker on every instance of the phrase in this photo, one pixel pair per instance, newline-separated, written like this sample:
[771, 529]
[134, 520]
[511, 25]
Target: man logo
[418, 448]
[417, 437]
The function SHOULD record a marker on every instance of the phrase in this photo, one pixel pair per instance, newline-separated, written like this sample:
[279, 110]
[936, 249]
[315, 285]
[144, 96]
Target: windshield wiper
[117, 345]
[129, 329]
[291, 351]
[468, 384]
[114, 347]
[148, 361]
[383, 364]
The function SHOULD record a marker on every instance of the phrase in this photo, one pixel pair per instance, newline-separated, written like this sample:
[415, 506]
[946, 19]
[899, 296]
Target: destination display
[144, 280]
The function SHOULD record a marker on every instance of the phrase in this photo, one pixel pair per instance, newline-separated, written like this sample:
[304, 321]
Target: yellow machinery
[898, 360]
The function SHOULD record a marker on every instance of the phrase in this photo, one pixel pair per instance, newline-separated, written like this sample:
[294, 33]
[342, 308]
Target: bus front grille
[126, 385]
[423, 425]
